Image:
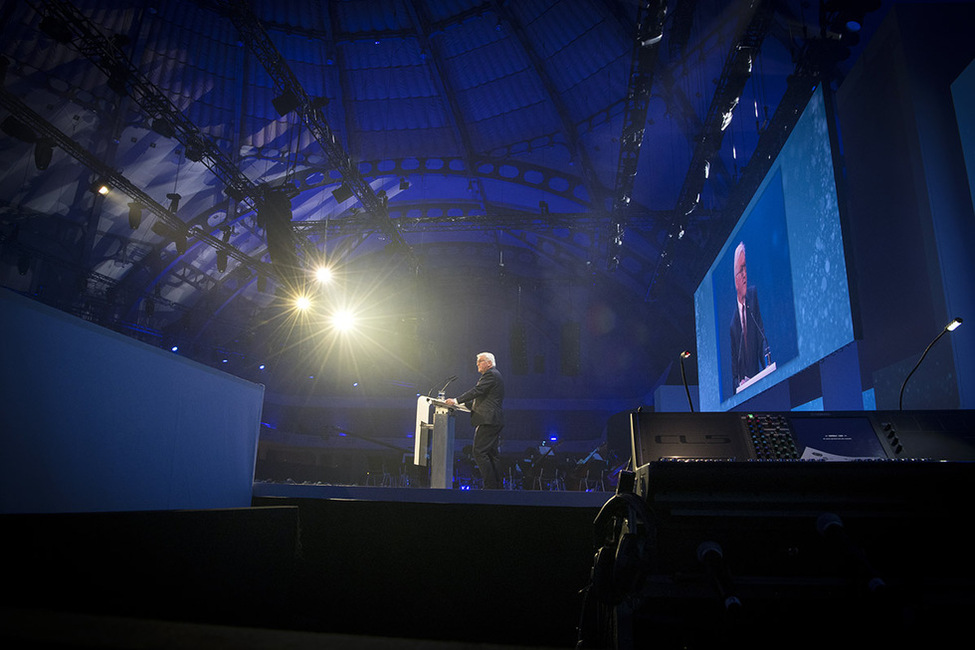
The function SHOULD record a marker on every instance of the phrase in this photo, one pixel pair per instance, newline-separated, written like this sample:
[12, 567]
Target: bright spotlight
[323, 274]
[302, 303]
[343, 320]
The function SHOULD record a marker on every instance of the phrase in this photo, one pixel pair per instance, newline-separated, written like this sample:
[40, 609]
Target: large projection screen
[95, 421]
[796, 273]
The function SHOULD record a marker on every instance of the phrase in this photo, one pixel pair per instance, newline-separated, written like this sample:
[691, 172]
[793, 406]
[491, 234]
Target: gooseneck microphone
[686, 355]
[950, 327]
[443, 391]
[766, 350]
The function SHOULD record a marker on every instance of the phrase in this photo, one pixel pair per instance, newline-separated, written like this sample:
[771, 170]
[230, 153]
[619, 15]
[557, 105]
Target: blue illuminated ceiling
[562, 158]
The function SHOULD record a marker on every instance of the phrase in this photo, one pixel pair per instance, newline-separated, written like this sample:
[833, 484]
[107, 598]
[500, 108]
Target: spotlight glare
[302, 302]
[323, 274]
[343, 320]
[99, 187]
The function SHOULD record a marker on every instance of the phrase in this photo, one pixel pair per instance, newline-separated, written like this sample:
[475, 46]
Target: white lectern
[766, 371]
[435, 428]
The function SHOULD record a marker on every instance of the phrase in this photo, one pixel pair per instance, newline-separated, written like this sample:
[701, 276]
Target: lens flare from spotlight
[323, 274]
[302, 303]
[343, 320]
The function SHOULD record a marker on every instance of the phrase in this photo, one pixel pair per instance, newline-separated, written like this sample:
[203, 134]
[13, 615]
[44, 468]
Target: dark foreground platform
[437, 566]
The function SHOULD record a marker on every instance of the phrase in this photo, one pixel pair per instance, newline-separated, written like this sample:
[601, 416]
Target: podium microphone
[443, 391]
[766, 350]
[685, 355]
[950, 327]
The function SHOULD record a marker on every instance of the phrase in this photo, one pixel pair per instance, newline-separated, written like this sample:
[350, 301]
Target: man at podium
[485, 401]
[749, 347]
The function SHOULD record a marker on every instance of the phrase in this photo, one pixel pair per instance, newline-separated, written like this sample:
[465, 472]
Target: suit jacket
[747, 353]
[485, 399]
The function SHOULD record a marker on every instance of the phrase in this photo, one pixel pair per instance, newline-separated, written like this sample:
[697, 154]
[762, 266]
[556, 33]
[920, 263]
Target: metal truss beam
[292, 95]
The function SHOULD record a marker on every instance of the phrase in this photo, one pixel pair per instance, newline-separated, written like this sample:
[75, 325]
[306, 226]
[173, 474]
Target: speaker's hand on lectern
[451, 401]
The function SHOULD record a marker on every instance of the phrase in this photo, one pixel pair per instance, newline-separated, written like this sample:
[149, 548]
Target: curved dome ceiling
[549, 150]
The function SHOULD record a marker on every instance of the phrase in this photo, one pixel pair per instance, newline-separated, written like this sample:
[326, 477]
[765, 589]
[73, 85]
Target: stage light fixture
[194, 154]
[118, 81]
[342, 193]
[222, 254]
[234, 193]
[302, 303]
[163, 127]
[56, 29]
[173, 201]
[323, 274]
[43, 153]
[343, 320]
[178, 237]
[100, 187]
[180, 241]
[17, 129]
[135, 215]
[285, 103]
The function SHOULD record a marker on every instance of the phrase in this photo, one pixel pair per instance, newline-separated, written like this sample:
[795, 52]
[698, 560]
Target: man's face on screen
[741, 275]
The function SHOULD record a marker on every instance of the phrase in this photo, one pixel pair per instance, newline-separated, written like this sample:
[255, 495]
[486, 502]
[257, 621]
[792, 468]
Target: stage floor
[559, 498]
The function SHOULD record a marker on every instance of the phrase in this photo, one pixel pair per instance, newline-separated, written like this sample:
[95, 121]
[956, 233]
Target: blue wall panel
[95, 421]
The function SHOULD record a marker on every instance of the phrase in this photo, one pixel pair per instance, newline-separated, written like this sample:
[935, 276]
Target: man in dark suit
[748, 343]
[485, 402]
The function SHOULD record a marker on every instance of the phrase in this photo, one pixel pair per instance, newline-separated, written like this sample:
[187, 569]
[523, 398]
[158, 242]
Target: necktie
[744, 328]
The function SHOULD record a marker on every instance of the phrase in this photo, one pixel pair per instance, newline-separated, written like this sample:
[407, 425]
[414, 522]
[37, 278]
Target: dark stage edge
[541, 498]
[31, 628]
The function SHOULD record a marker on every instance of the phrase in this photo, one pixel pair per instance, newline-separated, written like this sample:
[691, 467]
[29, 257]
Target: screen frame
[715, 396]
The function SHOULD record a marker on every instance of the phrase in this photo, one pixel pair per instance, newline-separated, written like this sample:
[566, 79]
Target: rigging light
[285, 102]
[342, 193]
[43, 152]
[100, 187]
[18, 129]
[163, 127]
[135, 215]
[343, 320]
[56, 29]
[323, 274]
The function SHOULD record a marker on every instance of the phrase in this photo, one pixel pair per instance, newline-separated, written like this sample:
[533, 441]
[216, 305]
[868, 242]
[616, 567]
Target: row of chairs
[592, 477]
